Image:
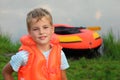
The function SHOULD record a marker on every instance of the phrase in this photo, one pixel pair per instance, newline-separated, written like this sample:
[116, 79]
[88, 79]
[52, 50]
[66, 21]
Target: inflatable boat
[77, 38]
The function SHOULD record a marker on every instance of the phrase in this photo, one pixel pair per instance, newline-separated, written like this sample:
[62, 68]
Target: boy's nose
[41, 31]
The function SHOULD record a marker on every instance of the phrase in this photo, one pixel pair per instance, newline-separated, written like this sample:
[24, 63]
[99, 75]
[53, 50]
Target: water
[104, 13]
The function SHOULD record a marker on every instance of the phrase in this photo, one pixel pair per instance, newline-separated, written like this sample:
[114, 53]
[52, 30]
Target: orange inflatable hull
[84, 39]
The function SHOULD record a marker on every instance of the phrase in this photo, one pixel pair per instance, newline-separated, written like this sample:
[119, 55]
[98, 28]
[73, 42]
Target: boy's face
[41, 31]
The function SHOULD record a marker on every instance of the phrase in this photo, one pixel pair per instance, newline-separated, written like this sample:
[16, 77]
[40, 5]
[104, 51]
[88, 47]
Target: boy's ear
[28, 31]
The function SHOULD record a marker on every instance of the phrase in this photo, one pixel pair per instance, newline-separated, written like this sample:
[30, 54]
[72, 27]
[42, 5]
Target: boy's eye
[45, 27]
[35, 29]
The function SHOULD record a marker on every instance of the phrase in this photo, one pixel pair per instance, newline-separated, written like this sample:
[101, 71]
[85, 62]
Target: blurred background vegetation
[105, 67]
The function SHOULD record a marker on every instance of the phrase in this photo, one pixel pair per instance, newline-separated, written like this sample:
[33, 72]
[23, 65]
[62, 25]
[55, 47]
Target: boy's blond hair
[38, 14]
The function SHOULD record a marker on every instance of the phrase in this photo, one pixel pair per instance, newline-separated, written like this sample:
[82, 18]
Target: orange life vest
[37, 67]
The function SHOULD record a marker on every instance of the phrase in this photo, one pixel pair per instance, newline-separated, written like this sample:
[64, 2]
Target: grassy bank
[103, 68]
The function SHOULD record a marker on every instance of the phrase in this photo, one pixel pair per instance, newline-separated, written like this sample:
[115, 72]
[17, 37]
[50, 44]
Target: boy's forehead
[41, 20]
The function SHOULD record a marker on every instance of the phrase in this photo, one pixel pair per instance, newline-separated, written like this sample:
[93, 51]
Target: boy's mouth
[42, 37]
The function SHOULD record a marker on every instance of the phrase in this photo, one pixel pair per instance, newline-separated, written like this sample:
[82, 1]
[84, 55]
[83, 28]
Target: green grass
[6, 45]
[112, 47]
[102, 68]
[94, 69]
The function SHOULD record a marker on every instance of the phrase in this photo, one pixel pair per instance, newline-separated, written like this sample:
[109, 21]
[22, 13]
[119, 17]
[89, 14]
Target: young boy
[38, 58]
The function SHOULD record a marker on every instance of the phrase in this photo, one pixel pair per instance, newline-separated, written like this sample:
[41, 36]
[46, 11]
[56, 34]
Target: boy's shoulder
[21, 54]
